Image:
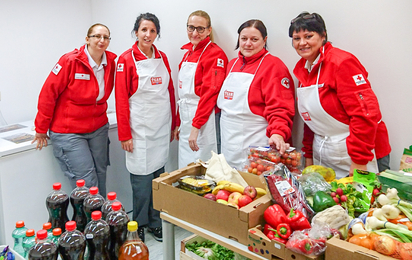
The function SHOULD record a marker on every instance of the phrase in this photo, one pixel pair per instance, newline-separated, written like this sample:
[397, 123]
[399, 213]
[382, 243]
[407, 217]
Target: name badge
[82, 76]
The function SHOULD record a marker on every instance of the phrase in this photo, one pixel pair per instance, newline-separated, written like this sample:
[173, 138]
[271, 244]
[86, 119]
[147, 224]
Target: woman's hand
[193, 139]
[279, 143]
[176, 133]
[127, 145]
[354, 166]
[41, 140]
[308, 162]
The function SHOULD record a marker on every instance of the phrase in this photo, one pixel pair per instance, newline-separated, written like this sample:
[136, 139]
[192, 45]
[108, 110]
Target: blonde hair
[206, 16]
[90, 31]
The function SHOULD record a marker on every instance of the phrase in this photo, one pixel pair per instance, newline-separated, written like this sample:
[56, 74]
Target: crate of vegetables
[292, 158]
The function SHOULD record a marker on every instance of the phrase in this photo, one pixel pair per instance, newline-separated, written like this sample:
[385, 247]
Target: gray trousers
[143, 211]
[83, 156]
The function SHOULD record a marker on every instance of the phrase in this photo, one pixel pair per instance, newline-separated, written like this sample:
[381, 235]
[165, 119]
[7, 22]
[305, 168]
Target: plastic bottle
[48, 227]
[44, 249]
[117, 220]
[28, 242]
[94, 201]
[133, 247]
[56, 235]
[72, 243]
[57, 202]
[18, 234]
[76, 199]
[107, 205]
[97, 234]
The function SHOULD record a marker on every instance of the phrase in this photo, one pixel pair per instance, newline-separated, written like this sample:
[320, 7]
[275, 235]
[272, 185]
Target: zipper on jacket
[363, 103]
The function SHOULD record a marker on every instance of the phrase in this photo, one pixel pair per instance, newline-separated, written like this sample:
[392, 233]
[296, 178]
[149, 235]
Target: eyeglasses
[306, 16]
[199, 29]
[99, 37]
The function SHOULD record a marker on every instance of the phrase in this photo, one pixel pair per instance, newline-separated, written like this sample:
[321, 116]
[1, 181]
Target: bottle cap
[70, 225]
[111, 195]
[47, 226]
[57, 186]
[132, 226]
[96, 215]
[41, 234]
[94, 190]
[80, 183]
[20, 224]
[116, 205]
[57, 232]
[30, 232]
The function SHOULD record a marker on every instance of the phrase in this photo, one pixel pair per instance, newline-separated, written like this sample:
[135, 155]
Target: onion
[405, 251]
[385, 245]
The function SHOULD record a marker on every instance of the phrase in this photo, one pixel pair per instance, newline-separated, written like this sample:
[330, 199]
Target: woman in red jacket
[201, 74]
[343, 123]
[256, 99]
[72, 107]
[145, 108]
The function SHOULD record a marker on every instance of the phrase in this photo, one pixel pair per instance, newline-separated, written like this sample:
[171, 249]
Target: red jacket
[67, 104]
[348, 100]
[209, 77]
[272, 93]
[127, 82]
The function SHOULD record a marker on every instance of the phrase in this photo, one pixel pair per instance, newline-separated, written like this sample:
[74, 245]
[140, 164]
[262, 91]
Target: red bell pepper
[274, 215]
[284, 230]
[272, 234]
[305, 246]
[297, 220]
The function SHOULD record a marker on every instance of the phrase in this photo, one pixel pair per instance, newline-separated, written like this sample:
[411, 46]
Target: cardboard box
[187, 254]
[218, 218]
[290, 255]
[260, 244]
[342, 250]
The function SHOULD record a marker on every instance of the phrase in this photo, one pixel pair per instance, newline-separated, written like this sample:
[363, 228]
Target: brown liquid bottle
[133, 248]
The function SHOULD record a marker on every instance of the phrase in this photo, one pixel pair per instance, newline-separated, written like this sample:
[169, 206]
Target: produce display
[196, 184]
[264, 158]
[210, 250]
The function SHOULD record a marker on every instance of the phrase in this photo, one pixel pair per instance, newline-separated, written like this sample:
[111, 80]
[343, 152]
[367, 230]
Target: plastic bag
[313, 182]
[218, 169]
[406, 160]
[287, 191]
[310, 241]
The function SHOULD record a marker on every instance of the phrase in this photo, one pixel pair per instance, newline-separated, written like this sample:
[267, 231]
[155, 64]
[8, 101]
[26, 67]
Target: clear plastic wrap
[313, 182]
[287, 191]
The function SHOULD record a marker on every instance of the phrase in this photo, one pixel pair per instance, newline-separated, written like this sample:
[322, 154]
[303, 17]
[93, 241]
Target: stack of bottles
[107, 235]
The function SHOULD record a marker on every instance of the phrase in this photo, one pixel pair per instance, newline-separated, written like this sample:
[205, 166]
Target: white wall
[36, 33]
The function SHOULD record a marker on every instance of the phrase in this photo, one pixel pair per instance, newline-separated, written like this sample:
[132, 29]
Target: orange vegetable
[401, 220]
[362, 240]
[405, 251]
[385, 245]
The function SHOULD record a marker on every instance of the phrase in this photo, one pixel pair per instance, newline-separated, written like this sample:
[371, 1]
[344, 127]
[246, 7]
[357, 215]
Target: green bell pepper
[322, 201]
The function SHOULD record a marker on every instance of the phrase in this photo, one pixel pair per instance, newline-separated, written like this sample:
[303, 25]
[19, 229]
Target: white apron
[150, 118]
[329, 143]
[239, 127]
[188, 101]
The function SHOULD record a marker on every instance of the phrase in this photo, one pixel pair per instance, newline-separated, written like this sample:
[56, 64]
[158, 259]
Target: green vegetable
[210, 250]
[322, 200]
[334, 185]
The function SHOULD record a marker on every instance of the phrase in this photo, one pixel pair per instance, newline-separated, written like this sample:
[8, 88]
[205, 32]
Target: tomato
[253, 164]
[272, 158]
[259, 161]
[254, 171]
[260, 168]
[294, 163]
[282, 160]
[259, 173]
[292, 156]
[269, 168]
[264, 154]
[256, 155]
[277, 160]
[288, 161]
[298, 156]
[285, 155]
[250, 169]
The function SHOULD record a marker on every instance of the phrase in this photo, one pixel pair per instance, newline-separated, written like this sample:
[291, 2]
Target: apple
[234, 197]
[250, 191]
[221, 201]
[223, 195]
[210, 196]
[233, 205]
[244, 200]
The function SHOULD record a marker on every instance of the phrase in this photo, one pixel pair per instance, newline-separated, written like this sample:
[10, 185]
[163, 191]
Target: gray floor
[156, 248]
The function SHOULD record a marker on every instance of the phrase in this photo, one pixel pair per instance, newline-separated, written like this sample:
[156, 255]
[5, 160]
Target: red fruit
[333, 194]
[376, 192]
[339, 191]
[210, 196]
[244, 200]
[223, 195]
[250, 191]
[336, 199]
[343, 198]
